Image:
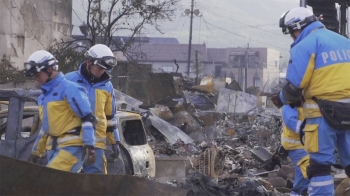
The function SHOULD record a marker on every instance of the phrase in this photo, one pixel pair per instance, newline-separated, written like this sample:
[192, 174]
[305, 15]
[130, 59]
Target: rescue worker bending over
[93, 77]
[67, 122]
[290, 139]
[319, 69]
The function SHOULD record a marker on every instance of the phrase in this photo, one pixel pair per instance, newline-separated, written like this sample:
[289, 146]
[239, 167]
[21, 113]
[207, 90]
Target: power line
[208, 27]
[205, 22]
[24, 22]
[77, 15]
[238, 35]
[250, 26]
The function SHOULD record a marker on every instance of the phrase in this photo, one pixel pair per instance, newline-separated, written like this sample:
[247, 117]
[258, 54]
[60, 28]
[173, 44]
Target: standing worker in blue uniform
[67, 131]
[319, 69]
[93, 77]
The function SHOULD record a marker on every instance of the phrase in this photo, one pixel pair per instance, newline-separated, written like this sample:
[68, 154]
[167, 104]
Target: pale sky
[224, 23]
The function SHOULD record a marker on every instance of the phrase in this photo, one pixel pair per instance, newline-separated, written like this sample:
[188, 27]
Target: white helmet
[296, 19]
[39, 61]
[102, 56]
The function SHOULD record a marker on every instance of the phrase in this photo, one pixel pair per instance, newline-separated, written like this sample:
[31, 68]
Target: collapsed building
[218, 141]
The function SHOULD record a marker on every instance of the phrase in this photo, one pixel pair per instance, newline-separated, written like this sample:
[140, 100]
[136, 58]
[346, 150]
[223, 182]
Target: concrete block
[261, 154]
[168, 168]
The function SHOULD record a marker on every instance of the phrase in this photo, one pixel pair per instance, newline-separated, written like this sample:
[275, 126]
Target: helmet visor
[30, 69]
[106, 63]
[284, 27]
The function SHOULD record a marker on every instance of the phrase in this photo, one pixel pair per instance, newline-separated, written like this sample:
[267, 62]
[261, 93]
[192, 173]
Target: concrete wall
[27, 26]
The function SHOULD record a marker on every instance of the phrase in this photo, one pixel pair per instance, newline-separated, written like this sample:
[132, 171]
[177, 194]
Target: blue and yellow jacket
[102, 100]
[290, 138]
[320, 65]
[62, 106]
[292, 119]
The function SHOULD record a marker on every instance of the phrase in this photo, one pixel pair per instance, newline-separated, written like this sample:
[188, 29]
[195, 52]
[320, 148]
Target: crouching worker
[67, 131]
[292, 147]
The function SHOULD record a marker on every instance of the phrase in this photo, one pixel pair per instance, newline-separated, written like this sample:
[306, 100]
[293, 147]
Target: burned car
[137, 154]
[20, 124]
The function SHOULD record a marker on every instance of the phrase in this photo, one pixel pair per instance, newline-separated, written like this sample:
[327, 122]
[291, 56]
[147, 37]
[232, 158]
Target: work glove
[33, 158]
[298, 103]
[279, 154]
[89, 156]
[276, 100]
[271, 164]
[116, 150]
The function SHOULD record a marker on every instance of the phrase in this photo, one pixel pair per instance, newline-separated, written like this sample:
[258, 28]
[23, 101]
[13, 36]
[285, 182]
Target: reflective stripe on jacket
[62, 105]
[102, 100]
[292, 119]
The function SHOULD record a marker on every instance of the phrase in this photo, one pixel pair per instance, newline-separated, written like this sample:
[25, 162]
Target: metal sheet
[23, 178]
[235, 102]
[171, 132]
[124, 98]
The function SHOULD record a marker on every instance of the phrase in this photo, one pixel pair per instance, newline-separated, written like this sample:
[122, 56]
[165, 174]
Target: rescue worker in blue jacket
[293, 119]
[93, 77]
[67, 131]
[319, 69]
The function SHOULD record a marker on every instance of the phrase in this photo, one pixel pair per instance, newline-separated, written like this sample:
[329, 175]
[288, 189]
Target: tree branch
[92, 42]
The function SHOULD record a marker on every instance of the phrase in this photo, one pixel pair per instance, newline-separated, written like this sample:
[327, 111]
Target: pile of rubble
[227, 152]
[217, 143]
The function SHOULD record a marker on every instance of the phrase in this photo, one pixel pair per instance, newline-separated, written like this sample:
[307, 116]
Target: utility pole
[303, 3]
[343, 9]
[190, 42]
[246, 70]
[197, 72]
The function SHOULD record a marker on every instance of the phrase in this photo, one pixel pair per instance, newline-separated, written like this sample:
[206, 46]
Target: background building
[30, 25]
[263, 64]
